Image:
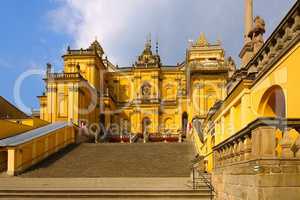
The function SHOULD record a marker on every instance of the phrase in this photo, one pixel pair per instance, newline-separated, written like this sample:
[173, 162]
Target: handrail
[204, 180]
[134, 139]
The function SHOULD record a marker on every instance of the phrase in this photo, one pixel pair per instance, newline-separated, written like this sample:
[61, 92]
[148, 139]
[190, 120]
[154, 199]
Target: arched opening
[211, 98]
[125, 126]
[145, 125]
[168, 125]
[184, 122]
[102, 123]
[273, 103]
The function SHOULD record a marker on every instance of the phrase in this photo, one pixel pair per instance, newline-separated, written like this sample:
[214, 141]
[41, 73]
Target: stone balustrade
[63, 75]
[277, 44]
[274, 48]
[265, 138]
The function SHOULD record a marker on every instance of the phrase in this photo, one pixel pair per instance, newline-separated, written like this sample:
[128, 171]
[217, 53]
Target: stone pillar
[242, 150]
[11, 161]
[225, 154]
[238, 150]
[231, 154]
[263, 142]
[247, 148]
[297, 147]
[222, 157]
[248, 19]
[235, 152]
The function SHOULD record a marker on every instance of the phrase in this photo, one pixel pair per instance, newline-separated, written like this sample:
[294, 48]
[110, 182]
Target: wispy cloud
[122, 26]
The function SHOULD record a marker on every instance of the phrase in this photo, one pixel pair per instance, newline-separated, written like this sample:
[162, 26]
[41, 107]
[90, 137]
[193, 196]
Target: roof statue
[256, 33]
[229, 62]
[202, 41]
[258, 27]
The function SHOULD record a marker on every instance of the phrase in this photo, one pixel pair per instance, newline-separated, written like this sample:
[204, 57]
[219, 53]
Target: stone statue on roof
[256, 33]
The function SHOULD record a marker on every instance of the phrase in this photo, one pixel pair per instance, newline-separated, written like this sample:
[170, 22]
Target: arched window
[168, 124]
[102, 123]
[145, 125]
[184, 122]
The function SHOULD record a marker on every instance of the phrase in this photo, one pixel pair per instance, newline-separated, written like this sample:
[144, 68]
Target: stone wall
[257, 164]
[258, 179]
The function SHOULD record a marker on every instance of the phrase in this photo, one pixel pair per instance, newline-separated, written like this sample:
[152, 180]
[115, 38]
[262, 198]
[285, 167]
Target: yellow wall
[246, 103]
[25, 155]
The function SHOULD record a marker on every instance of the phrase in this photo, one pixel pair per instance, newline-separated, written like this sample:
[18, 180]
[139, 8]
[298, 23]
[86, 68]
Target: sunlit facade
[147, 95]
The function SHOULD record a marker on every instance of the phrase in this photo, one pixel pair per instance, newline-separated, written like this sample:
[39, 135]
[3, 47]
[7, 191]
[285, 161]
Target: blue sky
[34, 32]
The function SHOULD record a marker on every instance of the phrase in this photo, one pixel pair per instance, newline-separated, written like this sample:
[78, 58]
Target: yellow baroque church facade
[248, 137]
[147, 97]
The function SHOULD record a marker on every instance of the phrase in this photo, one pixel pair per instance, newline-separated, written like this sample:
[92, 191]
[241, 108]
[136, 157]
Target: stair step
[117, 160]
[137, 195]
[100, 188]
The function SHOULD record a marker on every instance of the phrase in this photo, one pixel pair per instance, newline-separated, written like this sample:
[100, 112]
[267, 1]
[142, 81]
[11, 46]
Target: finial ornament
[149, 38]
[157, 47]
[202, 41]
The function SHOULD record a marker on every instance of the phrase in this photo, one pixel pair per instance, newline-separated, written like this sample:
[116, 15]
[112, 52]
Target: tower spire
[248, 19]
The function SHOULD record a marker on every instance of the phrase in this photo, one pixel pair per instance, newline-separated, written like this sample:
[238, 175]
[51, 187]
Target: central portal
[145, 128]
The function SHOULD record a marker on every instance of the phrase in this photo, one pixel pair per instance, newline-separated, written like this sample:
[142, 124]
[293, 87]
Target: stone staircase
[110, 171]
[117, 160]
[108, 194]
[100, 188]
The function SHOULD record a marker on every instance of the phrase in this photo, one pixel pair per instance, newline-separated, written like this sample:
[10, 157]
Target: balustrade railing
[265, 138]
[63, 75]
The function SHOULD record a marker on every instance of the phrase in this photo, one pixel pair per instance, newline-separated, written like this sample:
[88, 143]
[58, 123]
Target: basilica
[147, 95]
[203, 128]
